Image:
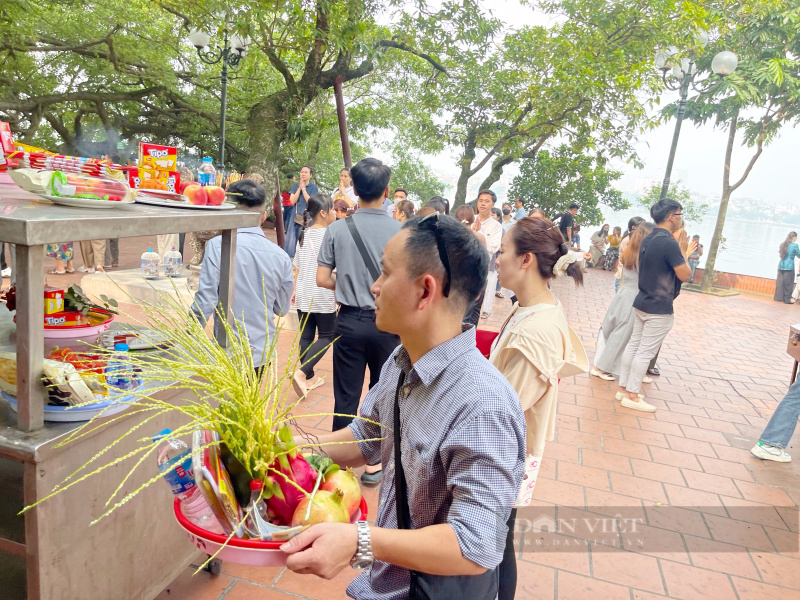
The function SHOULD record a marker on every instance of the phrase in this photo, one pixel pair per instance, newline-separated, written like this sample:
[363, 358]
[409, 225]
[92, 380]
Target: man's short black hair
[400, 190]
[439, 204]
[247, 193]
[663, 209]
[469, 261]
[370, 179]
[573, 206]
[490, 193]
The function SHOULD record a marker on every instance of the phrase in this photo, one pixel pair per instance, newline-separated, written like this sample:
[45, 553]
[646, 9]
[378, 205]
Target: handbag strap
[400, 490]
[373, 269]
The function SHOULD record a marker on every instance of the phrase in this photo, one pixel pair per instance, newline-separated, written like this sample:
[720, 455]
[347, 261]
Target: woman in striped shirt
[316, 306]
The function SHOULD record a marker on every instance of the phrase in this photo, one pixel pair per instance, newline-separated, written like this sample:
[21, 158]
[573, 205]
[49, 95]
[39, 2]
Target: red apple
[216, 195]
[196, 194]
[184, 185]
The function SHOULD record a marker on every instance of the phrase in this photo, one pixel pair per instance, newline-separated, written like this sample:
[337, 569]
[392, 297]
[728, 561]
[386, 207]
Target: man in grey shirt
[360, 343]
[263, 278]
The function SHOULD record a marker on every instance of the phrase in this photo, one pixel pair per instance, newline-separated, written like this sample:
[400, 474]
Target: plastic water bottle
[173, 263]
[207, 174]
[119, 373]
[181, 481]
[150, 263]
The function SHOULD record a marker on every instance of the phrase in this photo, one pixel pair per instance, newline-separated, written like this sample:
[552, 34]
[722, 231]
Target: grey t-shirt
[338, 251]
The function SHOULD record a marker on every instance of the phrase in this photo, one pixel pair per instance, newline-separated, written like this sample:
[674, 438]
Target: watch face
[361, 563]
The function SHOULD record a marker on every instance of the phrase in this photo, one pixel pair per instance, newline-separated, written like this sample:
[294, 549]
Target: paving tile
[311, 586]
[657, 426]
[691, 583]
[677, 519]
[764, 493]
[638, 487]
[778, 570]
[668, 416]
[736, 455]
[558, 492]
[265, 576]
[710, 483]
[564, 421]
[556, 451]
[755, 590]
[717, 556]
[631, 449]
[653, 541]
[691, 446]
[611, 504]
[705, 502]
[656, 471]
[617, 418]
[786, 542]
[557, 551]
[706, 435]
[645, 437]
[535, 582]
[196, 587]
[580, 440]
[675, 458]
[576, 587]
[725, 468]
[600, 428]
[583, 475]
[247, 591]
[610, 462]
[738, 533]
[577, 411]
[627, 568]
[752, 512]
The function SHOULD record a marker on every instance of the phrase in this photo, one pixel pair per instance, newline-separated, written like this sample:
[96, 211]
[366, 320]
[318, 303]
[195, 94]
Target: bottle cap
[256, 484]
[149, 249]
[161, 434]
[207, 159]
[121, 347]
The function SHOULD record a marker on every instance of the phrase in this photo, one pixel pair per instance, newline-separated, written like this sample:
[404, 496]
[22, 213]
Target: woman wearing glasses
[536, 347]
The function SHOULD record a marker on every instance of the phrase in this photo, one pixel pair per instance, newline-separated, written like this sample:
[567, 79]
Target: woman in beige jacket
[536, 347]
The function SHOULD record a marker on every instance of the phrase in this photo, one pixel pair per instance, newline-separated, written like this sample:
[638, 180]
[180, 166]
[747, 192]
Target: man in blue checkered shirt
[462, 429]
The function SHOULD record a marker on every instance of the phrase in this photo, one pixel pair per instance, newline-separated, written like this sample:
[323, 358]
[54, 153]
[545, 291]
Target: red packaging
[6, 139]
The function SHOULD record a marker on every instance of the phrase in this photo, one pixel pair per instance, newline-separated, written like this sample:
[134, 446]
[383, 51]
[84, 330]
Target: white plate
[85, 202]
[147, 199]
[63, 414]
[162, 194]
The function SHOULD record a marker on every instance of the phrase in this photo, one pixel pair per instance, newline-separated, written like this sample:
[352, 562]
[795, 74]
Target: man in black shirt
[567, 222]
[662, 269]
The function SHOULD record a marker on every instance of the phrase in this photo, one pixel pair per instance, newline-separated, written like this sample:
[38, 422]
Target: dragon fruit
[290, 464]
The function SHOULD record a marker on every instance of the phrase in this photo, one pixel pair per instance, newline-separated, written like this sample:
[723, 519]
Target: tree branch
[31, 104]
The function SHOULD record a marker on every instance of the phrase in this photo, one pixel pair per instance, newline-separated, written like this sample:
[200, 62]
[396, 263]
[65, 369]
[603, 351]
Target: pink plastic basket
[244, 552]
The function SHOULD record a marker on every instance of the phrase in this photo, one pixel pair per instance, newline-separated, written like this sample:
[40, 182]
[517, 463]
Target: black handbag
[425, 586]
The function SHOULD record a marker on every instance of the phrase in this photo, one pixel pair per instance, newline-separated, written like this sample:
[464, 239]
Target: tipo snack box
[159, 158]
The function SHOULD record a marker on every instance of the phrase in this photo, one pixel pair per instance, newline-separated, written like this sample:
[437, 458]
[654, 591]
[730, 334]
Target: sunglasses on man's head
[431, 222]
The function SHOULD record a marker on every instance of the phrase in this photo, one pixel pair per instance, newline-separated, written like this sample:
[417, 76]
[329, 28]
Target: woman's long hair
[603, 231]
[783, 251]
[316, 204]
[543, 239]
[632, 222]
[630, 258]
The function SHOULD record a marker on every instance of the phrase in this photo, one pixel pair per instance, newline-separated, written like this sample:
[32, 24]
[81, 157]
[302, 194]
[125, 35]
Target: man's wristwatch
[363, 557]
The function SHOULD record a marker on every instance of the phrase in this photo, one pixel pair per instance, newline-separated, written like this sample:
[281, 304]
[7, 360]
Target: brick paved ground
[733, 532]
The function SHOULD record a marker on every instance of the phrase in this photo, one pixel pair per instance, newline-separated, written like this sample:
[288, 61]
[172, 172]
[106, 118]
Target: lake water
[751, 247]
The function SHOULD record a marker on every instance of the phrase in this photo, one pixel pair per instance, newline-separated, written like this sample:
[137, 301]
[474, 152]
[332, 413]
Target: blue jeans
[616, 285]
[781, 426]
[692, 266]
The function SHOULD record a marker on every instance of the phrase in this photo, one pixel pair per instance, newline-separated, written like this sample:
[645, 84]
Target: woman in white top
[316, 306]
[345, 190]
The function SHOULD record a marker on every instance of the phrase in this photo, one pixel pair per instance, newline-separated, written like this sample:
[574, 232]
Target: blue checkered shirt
[463, 449]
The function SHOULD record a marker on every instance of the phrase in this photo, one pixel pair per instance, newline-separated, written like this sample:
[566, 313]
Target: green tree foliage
[693, 212]
[553, 180]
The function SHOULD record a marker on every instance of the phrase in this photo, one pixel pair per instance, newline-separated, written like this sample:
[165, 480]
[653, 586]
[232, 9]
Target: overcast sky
[701, 151]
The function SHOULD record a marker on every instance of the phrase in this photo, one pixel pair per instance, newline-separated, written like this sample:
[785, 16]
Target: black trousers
[314, 324]
[359, 345]
[473, 314]
[784, 286]
[507, 570]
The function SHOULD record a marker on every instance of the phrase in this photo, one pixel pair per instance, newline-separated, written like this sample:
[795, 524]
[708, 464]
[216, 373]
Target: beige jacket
[541, 349]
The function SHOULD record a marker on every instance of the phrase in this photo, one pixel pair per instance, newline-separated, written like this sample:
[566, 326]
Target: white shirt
[308, 296]
[349, 192]
[493, 232]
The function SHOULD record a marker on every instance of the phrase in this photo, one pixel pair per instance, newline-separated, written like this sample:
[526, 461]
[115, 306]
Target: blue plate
[66, 414]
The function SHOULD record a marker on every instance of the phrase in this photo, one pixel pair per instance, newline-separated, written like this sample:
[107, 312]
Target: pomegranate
[347, 482]
[326, 507]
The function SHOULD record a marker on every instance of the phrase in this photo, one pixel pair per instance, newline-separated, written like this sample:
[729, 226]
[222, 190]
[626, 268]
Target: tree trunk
[267, 125]
[711, 258]
[466, 170]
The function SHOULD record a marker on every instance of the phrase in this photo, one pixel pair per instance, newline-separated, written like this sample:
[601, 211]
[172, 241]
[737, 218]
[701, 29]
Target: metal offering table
[138, 550]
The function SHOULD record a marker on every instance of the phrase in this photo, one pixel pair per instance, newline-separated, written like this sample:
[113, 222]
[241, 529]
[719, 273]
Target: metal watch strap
[364, 549]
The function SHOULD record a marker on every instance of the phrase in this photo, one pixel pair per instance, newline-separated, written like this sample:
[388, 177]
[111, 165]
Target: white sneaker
[640, 405]
[602, 374]
[647, 379]
[620, 396]
[765, 452]
[6, 272]
[84, 269]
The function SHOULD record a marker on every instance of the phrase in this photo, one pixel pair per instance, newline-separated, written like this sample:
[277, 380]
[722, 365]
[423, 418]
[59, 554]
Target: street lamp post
[229, 54]
[682, 78]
